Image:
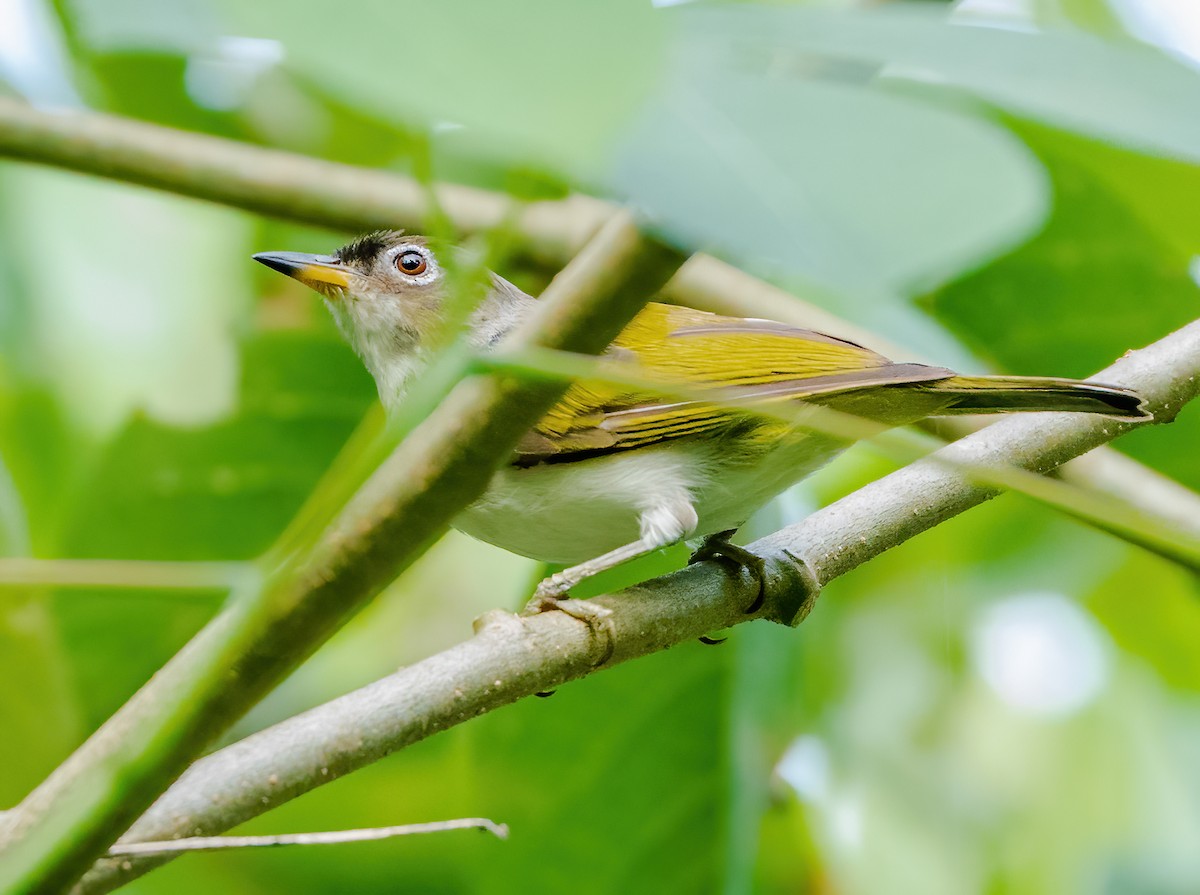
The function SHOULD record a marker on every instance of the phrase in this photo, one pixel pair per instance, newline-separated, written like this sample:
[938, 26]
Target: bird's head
[385, 284]
[386, 290]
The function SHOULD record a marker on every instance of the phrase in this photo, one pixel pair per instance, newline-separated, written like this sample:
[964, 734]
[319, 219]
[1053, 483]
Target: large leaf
[218, 492]
[569, 770]
[226, 490]
[1118, 89]
[551, 80]
[1111, 271]
[37, 706]
[801, 177]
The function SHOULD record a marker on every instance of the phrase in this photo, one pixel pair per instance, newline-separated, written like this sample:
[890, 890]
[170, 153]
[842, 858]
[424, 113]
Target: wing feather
[762, 361]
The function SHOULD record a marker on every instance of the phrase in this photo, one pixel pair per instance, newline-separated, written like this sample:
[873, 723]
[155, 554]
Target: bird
[613, 472]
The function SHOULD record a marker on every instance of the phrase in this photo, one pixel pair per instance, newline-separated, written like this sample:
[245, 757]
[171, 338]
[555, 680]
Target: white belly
[571, 512]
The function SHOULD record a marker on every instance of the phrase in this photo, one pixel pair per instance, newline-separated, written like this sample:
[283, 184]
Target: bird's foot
[718, 548]
[551, 588]
[551, 596]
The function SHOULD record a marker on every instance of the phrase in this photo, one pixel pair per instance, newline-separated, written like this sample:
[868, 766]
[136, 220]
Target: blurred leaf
[112, 641]
[124, 76]
[1163, 628]
[1111, 271]
[634, 774]
[1096, 16]
[37, 706]
[1120, 90]
[41, 455]
[761, 720]
[225, 491]
[140, 315]
[800, 177]
[1163, 194]
[549, 81]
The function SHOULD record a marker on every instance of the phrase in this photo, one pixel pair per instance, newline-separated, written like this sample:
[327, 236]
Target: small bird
[611, 473]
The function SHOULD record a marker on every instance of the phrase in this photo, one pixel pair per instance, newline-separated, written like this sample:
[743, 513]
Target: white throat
[386, 332]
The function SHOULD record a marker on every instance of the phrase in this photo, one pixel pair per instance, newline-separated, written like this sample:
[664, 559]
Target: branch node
[792, 587]
[496, 620]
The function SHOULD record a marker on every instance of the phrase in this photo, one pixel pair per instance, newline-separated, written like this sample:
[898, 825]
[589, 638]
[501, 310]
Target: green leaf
[38, 709]
[650, 775]
[1120, 90]
[40, 457]
[544, 80]
[1163, 629]
[1096, 16]
[225, 491]
[800, 177]
[218, 492]
[1111, 271]
[566, 773]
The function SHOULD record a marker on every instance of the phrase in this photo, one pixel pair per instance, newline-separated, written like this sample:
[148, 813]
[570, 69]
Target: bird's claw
[719, 548]
[549, 591]
[549, 597]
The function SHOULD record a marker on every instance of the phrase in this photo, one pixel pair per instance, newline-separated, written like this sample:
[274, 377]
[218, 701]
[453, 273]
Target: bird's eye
[411, 263]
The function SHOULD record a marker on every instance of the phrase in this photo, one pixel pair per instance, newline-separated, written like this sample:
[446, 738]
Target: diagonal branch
[278, 183]
[295, 187]
[512, 657]
[51, 838]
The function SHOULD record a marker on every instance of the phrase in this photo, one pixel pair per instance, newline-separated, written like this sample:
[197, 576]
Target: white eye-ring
[414, 263]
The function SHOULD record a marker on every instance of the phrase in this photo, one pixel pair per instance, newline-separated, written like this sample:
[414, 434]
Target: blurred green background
[1005, 704]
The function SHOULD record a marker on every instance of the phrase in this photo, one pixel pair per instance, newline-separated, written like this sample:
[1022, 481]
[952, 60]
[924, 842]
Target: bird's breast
[571, 512]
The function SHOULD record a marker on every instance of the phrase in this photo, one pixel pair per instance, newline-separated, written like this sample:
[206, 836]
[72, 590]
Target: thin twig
[332, 837]
[511, 657]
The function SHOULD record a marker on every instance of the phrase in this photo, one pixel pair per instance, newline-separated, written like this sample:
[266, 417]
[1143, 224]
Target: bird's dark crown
[367, 248]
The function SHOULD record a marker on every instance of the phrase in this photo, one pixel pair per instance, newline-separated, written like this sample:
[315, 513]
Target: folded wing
[762, 360]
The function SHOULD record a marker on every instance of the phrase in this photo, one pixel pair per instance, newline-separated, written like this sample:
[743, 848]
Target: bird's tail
[1004, 394]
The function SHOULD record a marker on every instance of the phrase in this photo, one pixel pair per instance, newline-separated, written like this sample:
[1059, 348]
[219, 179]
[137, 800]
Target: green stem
[25, 572]
[50, 839]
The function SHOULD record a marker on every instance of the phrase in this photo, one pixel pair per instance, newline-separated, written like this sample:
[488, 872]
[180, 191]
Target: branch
[298, 188]
[20, 571]
[281, 184]
[50, 839]
[513, 657]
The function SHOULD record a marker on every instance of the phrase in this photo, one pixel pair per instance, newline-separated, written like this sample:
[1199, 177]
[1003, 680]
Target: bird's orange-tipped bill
[315, 271]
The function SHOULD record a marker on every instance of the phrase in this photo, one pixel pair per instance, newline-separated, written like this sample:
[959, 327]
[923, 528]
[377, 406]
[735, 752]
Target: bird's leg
[552, 590]
[719, 548]
[597, 618]
[661, 526]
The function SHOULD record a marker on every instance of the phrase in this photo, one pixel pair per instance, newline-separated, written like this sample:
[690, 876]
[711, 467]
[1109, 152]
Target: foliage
[1017, 201]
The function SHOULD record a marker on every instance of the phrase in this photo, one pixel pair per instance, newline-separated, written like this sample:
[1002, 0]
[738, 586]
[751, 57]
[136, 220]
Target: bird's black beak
[316, 271]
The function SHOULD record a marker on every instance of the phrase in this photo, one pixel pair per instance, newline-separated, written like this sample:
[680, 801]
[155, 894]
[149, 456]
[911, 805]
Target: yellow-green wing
[765, 361]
